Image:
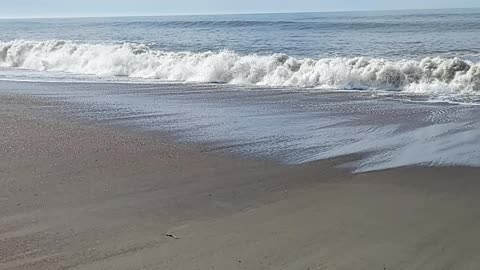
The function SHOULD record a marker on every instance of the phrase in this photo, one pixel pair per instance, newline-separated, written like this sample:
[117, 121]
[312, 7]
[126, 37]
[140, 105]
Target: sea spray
[432, 75]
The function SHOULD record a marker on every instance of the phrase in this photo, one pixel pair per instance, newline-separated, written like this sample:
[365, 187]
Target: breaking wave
[427, 76]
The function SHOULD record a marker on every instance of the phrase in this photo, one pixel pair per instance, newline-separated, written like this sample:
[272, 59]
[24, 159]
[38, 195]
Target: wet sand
[76, 196]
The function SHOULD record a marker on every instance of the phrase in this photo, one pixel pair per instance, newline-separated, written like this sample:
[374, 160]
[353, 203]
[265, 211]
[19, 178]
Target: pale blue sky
[65, 8]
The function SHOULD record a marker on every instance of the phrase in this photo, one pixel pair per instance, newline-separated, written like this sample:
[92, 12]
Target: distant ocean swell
[428, 75]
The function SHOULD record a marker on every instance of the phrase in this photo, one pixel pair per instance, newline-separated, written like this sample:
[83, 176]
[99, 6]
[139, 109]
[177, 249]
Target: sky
[74, 8]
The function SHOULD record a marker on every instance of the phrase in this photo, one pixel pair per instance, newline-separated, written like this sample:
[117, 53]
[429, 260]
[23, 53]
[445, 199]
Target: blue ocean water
[399, 88]
[427, 52]
[385, 34]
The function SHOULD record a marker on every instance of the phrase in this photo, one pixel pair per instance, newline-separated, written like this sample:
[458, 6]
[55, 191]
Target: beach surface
[82, 196]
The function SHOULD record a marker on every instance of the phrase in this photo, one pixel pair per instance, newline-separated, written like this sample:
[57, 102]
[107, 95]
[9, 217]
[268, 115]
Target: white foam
[425, 76]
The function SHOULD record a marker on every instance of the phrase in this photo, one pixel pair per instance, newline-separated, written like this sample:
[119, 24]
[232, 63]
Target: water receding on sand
[288, 126]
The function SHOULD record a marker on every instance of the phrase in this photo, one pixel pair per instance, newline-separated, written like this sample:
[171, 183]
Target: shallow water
[400, 88]
[288, 126]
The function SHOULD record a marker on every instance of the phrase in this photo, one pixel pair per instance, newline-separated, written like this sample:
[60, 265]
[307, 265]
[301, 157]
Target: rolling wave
[292, 25]
[427, 76]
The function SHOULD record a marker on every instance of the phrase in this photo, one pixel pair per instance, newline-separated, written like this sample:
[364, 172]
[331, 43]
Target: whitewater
[391, 89]
[427, 76]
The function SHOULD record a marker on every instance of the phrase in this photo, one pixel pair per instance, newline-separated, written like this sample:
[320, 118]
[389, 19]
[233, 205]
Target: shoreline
[77, 196]
[289, 127]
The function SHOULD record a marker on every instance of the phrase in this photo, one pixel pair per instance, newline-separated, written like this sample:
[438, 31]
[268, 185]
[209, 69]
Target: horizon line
[220, 14]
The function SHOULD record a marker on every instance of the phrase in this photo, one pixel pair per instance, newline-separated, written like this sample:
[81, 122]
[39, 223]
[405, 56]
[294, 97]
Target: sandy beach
[249, 135]
[77, 196]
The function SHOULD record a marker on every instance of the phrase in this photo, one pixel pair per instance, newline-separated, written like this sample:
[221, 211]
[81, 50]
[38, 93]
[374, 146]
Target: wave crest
[428, 75]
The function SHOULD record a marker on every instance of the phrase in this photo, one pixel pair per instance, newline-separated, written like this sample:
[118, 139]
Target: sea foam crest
[428, 75]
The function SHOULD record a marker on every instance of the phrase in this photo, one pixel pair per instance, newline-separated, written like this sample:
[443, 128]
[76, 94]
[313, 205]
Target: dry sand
[74, 196]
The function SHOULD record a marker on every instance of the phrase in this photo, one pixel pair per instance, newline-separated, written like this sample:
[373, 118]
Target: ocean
[401, 88]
